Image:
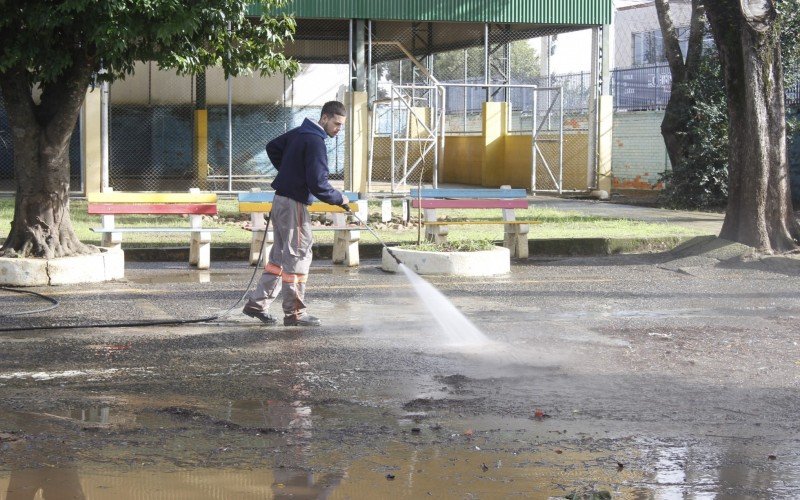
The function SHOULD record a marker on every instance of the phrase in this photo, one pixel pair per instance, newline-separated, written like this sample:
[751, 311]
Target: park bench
[346, 237]
[515, 231]
[194, 204]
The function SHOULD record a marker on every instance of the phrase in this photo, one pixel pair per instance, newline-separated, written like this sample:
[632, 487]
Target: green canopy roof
[563, 12]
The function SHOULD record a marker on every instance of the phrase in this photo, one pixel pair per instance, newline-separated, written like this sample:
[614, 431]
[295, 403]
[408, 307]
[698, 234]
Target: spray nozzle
[346, 207]
[394, 256]
[367, 226]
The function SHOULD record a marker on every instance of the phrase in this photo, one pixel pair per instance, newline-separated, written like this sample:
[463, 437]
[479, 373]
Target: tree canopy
[49, 39]
[50, 54]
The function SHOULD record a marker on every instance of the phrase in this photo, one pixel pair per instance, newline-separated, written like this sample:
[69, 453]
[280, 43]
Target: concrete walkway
[702, 221]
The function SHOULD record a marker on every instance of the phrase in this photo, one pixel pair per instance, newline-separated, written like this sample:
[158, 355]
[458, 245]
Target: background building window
[648, 46]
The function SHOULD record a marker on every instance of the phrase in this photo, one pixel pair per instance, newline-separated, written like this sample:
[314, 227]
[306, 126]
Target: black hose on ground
[54, 302]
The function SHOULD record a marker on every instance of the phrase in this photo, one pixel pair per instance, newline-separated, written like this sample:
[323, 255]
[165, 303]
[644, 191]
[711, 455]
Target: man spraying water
[301, 160]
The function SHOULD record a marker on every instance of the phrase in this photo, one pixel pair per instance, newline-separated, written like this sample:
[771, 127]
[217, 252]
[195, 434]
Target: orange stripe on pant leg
[294, 278]
[273, 269]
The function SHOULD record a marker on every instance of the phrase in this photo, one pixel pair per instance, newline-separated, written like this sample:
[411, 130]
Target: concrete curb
[537, 248]
[481, 263]
[94, 268]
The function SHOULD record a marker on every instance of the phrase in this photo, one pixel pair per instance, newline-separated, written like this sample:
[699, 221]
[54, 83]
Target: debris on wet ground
[589, 495]
[539, 414]
[8, 437]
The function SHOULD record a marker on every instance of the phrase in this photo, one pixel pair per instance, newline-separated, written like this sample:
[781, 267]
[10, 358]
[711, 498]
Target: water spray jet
[458, 329]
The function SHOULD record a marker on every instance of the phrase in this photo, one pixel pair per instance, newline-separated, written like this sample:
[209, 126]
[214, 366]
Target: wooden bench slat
[248, 207]
[149, 208]
[268, 196]
[193, 204]
[484, 203]
[471, 222]
[319, 206]
[143, 197]
[469, 193]
[325, 228]
[155, 230]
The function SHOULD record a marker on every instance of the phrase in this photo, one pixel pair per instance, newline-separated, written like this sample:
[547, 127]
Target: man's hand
[345, 203]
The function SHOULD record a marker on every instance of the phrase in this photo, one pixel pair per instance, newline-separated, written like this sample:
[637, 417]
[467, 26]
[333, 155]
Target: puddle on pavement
[663, 313]
[188, 277]
[225, 277]
[288, 449]
[403, 470]
[95, 414]
[335, 270]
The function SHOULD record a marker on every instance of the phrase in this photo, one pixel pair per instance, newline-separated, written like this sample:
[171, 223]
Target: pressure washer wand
[355, 214]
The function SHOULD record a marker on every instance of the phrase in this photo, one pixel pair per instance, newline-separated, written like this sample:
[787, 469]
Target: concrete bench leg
[345, 242]
[434, 234]
[516, 240]
[386, 210]
[345, 247]
[111, 240]
[200, 249]
[515, 236]
[255, 245]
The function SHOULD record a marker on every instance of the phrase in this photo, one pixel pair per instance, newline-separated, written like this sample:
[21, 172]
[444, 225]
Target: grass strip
[554, 224]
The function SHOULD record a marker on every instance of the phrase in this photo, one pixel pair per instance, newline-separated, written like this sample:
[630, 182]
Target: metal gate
[542, 133]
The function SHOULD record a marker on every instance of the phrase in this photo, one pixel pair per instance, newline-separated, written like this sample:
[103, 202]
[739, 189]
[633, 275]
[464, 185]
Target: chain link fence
[406, 104]
[153, 114]
[473, 63]
[150, 131]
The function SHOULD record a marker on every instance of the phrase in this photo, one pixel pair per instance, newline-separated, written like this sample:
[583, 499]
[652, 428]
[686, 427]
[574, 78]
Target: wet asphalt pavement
[638, 375]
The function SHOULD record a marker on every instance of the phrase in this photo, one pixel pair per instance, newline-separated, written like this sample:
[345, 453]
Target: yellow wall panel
[463, 159]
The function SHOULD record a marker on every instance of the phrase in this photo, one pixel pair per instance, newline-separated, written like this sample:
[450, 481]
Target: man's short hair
[331, 108]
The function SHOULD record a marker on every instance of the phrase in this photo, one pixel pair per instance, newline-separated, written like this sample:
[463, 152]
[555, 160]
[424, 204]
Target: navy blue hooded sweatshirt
[301, 159]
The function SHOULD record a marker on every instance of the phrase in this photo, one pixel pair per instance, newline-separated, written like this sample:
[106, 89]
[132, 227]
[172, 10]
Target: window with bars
[648, 46]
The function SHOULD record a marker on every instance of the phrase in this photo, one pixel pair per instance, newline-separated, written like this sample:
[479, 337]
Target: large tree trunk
[759, 211]
[677, 115]
[41, 133]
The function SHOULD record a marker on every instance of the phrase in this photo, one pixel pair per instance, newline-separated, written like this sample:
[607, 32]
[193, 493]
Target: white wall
[640, 16]
[316, 84]
[638, 153]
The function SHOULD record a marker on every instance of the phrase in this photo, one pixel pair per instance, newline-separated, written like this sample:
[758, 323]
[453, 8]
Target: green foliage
[453, 246]
[524, 63]
[701, 180]
[49, 38]
[789, 29]
[449, 66]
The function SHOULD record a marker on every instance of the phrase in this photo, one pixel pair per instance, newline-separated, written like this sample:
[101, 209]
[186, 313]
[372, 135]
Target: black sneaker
[304, 320]
[262, 316]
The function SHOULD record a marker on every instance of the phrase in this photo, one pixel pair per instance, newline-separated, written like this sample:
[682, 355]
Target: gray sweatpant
[289, 260]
